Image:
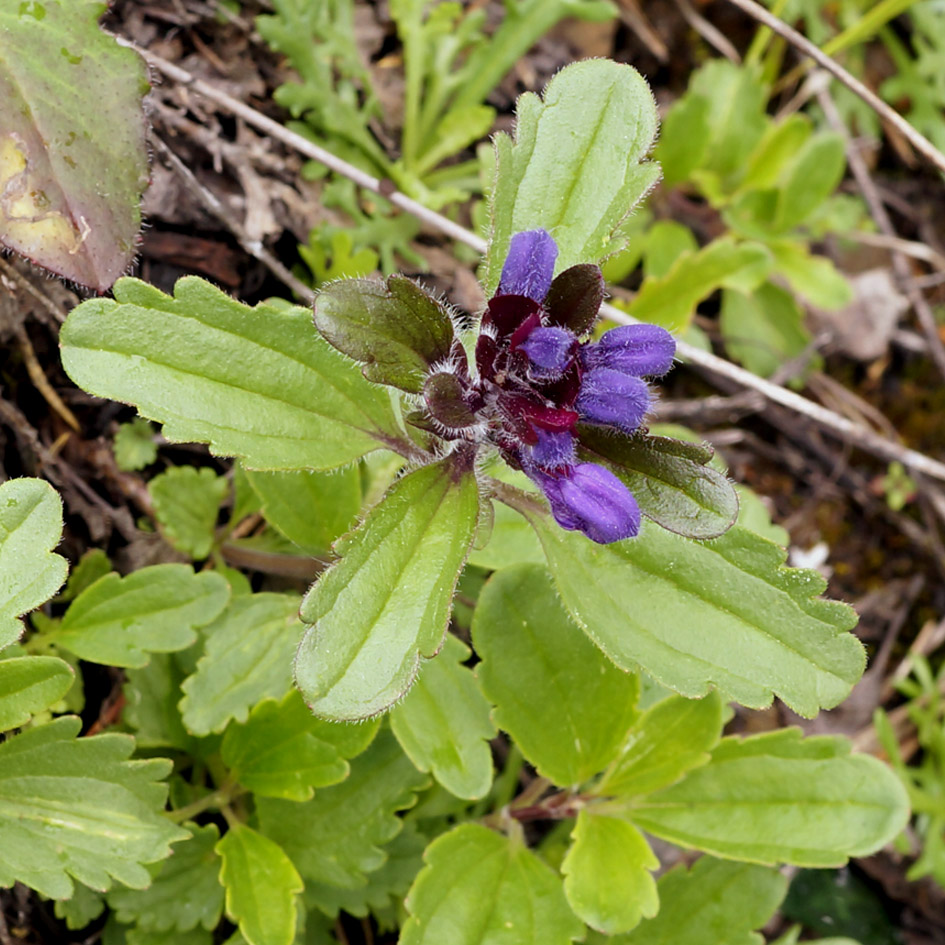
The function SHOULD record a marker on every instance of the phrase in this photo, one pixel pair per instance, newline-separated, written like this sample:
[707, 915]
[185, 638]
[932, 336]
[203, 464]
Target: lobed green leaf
[29, 684]
[186, 502]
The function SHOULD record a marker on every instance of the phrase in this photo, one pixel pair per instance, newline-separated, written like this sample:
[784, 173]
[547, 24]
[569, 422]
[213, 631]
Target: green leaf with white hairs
[261, 886]
[29, 684]
[720, 614]
[532, 657]
[30, 527]
[443, 725]
[258, 383]
[672, 737]
[79, 808]
[574, 167]
[186, 502]
[248, 657]
[119, 621]
[781, 798]
[385, 605]
[481, 887]
[607, 872]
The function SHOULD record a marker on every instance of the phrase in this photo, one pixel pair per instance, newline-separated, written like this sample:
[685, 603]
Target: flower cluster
[536, 381]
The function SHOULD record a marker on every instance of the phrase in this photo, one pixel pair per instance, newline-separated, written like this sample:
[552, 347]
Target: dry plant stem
[712, 35]
[918, 141]
[9, 272]
[41, 382]
[878, 211]
[839, 426]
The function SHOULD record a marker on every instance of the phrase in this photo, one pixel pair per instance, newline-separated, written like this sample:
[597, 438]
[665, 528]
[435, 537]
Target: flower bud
[529, 265]
[640, 350]
[613, 399]
[549, 351]
[553, 450]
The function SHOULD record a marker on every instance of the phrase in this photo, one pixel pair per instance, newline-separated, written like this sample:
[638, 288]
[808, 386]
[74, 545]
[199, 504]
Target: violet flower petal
[613, 399]
[529, 265]
[550, 351]
[640, 350]
[591, 499]
[553, 449]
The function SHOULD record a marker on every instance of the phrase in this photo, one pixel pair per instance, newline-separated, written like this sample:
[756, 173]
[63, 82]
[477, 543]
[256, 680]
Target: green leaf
[533, 657]
[811, 178]
[397, 331]
[151, 697]
[73, 163]
[480, 887]
[684, 138]
[261, 886]
[666, 241]
[140, 936]
[311, 509]
[78, 807]
[443, 725]
[337, 837]
[764, 329]
[134, 445]
[252, 382]
[84, 906]
[776, 798]
[670, 479]
[574, 168]
[276, 752]
[185, 893]
[248, 658]
[512, 541]
[671, 300]
[29, 684]
[92, 565]
[778, 146]
[386, 603]
[714, 903]
[119, 621]
[607, 873]
[30, 527]
[186, 501]
[694, 615]
[813, 277]
[672, 737]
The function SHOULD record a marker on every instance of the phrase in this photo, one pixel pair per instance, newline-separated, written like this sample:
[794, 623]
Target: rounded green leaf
[186, 503]
[29, 684]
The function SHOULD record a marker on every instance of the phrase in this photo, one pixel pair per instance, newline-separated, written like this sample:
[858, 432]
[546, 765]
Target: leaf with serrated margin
[443, 725]
[258, 383]
[574, 168]
[310, 508]
[386, 603]
[73, 162]
[83, 907]
[532, 657]
[186, 501]
[29, 684]
[714, 903]
[30, 527]
[151, 697]
[78, 807]
[672, 737]
[261, 886]
[781, 798]
[670, 479]
[396, 331]
[337, 837]
[118, 621]
[696, 615]
[248, 657]
[276, 751]
[607, 872]
[186, 890]
[481, 887]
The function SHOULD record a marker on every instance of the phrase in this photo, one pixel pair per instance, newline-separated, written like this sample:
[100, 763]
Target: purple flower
[549, 351]
[638, 350]
[529, 265]
[553, 450]
[611, 398]
[590, 499]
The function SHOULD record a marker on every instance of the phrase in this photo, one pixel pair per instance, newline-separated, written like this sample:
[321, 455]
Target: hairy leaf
[443, 725]
[386, 603]
[672, 737]
[607, 873]
[258, 383]
[481, 887]
[670, 480]
[777, 798]
[119, 621]
[261, 886]
[574, 167]
[73, 162]
[534, 657]
[186, 891]
[337, 837]
[30, 527]
[696, 615]
[186, 501]
[77, 807]
[29, 684]
[248, 658]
